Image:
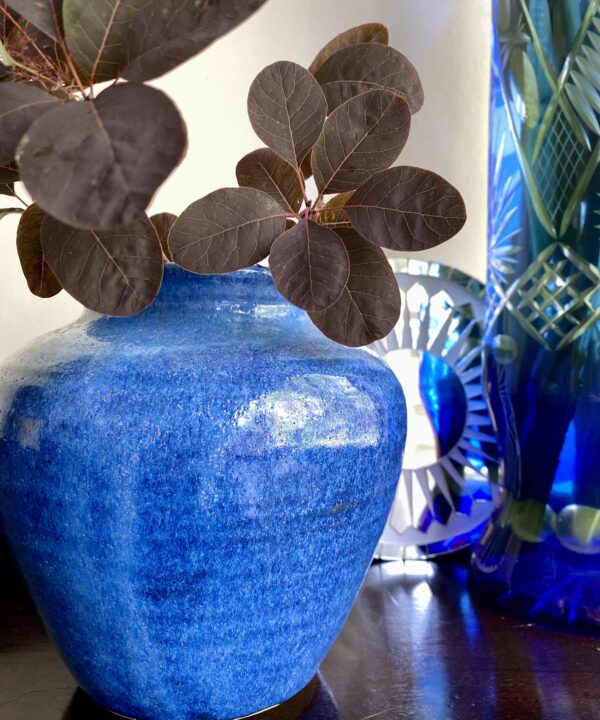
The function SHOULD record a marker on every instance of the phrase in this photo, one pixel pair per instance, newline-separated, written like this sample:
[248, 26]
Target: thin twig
[300, 177]
[65, 51]
[17, 196]
[34, 73]
[28, 37]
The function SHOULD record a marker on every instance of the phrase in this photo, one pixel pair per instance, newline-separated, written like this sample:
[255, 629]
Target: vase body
[194, 494]
[541, 553]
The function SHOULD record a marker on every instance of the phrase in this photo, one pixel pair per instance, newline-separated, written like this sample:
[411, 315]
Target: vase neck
[216, 305]
[244, 288]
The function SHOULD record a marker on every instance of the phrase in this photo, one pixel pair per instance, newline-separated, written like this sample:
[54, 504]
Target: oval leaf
[407, 209]
[369, 306]
[227, 230]
[360, 68]
[169, 32]
[96, 34]
[287, 110]
[115, 272]
[20, 105]
[163, 222]
[105, 170]
[364, 135]
[40, 278]
[369, 33]
[310, 266]
[44, 14]
[264, 170]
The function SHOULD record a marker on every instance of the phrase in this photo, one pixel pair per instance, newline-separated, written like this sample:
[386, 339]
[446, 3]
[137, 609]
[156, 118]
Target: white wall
[447, 40]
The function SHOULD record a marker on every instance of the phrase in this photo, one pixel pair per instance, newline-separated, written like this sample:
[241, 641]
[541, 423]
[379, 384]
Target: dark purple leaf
[369, 306]
[229, 229]
[264, 170]
[407, 209]
[310, 266]
[20, 105]
[103, 172]
[169, 32]
[287, 110]
[361, 137]
[96, 34]
[369, 66]
[41, 280]
[115, 272]
[163, 222]
[369, 33]
[44, 14]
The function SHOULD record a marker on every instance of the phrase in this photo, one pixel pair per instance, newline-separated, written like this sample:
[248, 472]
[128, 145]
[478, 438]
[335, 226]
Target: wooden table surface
[417, 646]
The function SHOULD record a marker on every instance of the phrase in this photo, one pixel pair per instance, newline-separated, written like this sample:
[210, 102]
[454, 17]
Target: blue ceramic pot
[194, 494]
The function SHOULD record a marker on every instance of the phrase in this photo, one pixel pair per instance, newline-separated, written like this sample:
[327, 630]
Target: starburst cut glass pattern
[444, 494]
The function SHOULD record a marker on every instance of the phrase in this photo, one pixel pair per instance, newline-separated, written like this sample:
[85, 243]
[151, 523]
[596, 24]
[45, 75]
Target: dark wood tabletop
[417, 646]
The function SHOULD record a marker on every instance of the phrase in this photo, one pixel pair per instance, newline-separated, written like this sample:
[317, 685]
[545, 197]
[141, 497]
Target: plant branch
[66, 53]
[18, 197]
[300, 177]
[28, 37]
[34, 73]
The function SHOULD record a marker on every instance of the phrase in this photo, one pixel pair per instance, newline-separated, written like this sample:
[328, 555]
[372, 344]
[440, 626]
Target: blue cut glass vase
[194, 494]
[541, 552]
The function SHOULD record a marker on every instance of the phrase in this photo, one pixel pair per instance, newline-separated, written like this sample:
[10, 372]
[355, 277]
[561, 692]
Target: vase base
[288, 710]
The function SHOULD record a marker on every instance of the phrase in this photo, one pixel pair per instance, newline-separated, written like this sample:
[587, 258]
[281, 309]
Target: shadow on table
[314, 703]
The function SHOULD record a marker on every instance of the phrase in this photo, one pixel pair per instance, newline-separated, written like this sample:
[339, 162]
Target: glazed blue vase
[194, 494]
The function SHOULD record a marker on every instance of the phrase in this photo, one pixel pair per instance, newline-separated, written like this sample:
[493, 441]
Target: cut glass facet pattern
[557, 298]
[444, 494]
[559, 166]
[540, 553]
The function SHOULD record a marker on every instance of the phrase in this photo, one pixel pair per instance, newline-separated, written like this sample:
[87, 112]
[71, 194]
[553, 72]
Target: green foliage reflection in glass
[543, 309]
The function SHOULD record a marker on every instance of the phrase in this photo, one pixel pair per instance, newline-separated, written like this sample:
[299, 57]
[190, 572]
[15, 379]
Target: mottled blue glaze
[194, 494]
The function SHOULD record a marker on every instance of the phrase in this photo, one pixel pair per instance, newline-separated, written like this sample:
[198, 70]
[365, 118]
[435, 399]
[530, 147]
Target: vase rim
[248, 274]
[249, 285]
